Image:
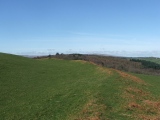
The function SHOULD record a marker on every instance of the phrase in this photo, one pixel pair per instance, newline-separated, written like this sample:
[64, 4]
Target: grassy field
[52, 89]
[151, 59]
[153, 81]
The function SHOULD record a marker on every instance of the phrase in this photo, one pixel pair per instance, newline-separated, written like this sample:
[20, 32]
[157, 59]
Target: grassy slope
[153, 81]
[151, 59]
[68, 90]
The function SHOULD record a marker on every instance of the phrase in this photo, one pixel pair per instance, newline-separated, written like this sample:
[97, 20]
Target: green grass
[153, 81]
[52, 89]
[151, 59]
[45, 89]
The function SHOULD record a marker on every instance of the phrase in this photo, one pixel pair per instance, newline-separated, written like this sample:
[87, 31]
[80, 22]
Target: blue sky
[114, 27]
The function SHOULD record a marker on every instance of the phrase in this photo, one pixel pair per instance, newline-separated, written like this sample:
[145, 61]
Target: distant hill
[56, 89]
[151, 59]
[120, 63]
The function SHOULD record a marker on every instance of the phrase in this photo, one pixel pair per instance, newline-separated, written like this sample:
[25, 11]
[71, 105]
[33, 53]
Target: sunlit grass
[69, 90]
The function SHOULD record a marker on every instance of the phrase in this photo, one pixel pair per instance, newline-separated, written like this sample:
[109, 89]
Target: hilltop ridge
[72, 90]
[135, 65]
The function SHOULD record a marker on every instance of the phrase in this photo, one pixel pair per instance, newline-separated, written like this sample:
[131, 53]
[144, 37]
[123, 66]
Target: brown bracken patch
[81, 61]
[131, 77]
[149, 117]
[106, 70]
[139, 102]
[133, 105]
[136, 91]
[92, 111]
[152, 103]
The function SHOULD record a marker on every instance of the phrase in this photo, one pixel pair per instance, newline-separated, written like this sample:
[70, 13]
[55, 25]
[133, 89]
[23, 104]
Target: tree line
[147, 64]
[120, 63]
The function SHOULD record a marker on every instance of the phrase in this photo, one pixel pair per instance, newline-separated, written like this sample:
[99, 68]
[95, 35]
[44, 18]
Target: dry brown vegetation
[130, 77]
[120, 63]
[92, 111]
[139, 101]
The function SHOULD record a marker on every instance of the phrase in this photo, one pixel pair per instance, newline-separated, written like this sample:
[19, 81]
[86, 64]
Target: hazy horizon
[128, 28]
